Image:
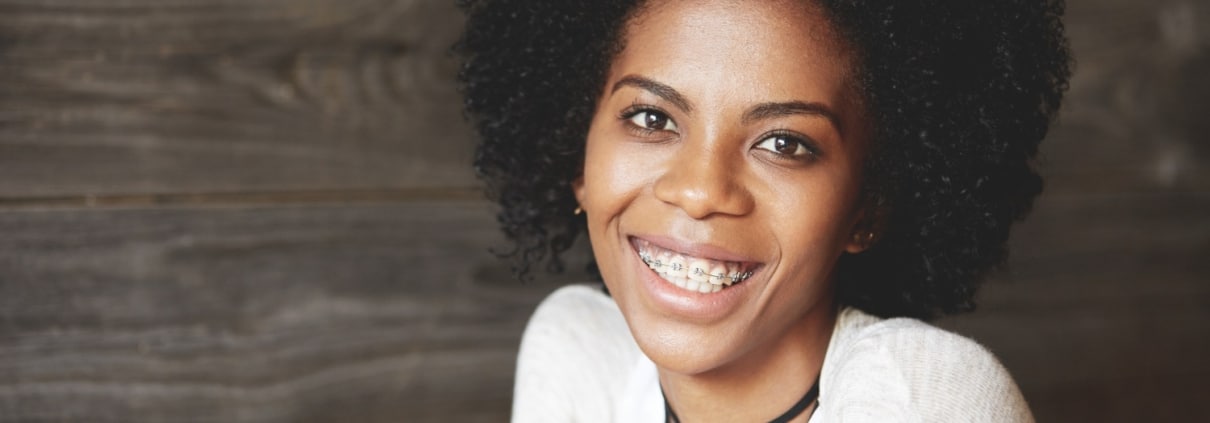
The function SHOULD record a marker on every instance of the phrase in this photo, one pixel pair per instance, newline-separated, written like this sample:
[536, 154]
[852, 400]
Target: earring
[865, 238]
[578, 211]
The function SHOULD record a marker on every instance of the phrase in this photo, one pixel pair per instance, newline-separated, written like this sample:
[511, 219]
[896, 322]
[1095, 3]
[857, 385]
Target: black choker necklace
[802, 404]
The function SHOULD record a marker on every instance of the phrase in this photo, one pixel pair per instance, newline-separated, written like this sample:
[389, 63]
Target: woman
[775, 192]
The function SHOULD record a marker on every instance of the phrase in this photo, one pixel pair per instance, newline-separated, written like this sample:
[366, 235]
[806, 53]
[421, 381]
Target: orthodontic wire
[697, 271]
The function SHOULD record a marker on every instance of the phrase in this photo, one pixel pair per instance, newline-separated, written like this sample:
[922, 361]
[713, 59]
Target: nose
[704, 182]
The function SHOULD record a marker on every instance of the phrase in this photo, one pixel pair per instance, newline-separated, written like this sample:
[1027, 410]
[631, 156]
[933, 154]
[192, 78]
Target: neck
[760, 385]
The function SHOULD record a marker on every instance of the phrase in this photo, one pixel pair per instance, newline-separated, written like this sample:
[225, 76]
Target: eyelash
[812, 152]
[632, 111]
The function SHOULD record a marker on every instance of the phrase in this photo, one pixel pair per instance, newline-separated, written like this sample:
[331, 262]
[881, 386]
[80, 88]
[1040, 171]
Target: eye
[786, 145]
[651, 120]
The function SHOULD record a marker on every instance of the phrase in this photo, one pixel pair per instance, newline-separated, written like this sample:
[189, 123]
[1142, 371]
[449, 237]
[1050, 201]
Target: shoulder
[586, 300]
[571, 353]
[908, 368]
[578, 318]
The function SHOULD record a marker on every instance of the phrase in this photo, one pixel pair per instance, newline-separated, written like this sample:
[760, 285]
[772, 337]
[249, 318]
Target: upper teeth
[698, 270]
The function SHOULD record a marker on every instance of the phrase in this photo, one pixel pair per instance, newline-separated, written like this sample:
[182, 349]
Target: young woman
[776, 193]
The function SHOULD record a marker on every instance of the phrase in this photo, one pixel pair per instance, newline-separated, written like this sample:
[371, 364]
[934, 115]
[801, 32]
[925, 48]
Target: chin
[685, 350]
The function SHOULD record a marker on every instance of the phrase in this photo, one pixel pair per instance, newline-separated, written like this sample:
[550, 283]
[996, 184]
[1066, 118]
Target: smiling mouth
[697, 274]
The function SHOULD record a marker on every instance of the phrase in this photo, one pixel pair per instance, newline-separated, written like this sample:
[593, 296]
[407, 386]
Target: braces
[735, 277]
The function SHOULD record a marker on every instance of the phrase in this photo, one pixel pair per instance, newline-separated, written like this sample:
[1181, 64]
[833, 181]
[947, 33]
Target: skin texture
[729, 126]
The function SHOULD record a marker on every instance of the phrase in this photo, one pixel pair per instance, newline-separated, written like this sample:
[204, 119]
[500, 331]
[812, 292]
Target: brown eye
[784, 145]
[650, 119]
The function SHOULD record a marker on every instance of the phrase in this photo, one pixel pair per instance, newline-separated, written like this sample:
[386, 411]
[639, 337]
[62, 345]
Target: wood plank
[1104, 312]
[1134, 119]
[246, 310]
[153, 96]
[371, 312]
[258, 314]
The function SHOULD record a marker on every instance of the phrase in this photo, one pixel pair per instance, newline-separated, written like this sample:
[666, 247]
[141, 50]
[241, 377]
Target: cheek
[812, 214]
[824, 198]
[614, 180]
[815, 217]
[614, 175]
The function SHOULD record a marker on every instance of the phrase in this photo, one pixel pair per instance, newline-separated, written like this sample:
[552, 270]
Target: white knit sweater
[579, 363]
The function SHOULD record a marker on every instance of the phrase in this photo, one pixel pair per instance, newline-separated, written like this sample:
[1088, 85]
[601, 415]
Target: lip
[705, 251]
[666, 298]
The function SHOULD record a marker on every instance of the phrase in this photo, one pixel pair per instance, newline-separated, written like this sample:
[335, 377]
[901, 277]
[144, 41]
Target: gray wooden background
[262, 211]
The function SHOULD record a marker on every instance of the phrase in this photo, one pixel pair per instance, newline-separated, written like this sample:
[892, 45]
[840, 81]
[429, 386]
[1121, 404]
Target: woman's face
[728, 138]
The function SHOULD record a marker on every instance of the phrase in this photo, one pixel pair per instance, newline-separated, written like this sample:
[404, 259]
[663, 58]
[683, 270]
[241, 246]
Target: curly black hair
[959, 94]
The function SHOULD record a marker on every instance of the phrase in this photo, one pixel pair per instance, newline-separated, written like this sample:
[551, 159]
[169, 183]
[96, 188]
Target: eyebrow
[772, 110]
[663, 91]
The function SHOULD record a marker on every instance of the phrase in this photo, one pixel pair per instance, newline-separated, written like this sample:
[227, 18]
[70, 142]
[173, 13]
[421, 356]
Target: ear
[860, 238]
[869, 227]
[577, 187]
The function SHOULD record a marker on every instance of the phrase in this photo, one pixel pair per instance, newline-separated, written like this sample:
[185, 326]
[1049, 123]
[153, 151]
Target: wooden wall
[1104, 313]
[234, 211]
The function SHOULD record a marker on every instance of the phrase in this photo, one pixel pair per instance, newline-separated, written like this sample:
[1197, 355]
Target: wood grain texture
[205, 216]
[1103, 314]
[1134, 119]
[257, 314]
[156, 96]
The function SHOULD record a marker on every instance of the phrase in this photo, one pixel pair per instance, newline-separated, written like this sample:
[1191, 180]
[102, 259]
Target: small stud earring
[865, 238]
[578, 211]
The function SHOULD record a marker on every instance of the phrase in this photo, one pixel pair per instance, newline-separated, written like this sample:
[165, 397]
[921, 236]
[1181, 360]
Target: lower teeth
[691, 285]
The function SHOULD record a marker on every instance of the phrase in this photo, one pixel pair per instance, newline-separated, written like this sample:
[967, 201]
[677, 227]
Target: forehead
[773, 50]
